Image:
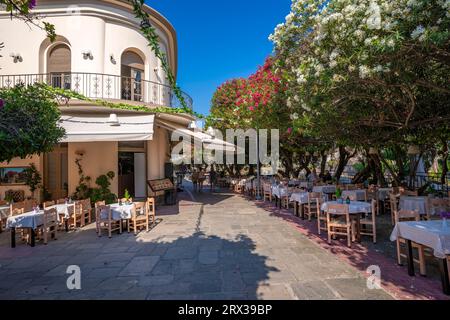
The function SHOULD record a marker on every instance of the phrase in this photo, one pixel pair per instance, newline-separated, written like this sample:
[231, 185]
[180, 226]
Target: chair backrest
[312, 196]
[61, 201]
[408, 193]
[393, 199]
[50, 217]
[17, 208]
[407, 215]
[372, 195]
[3, 202]
[86, 204]
[151, 208]
[100, 203]
[139, 208]
[29, 205]
[439, 204]
[103, 213]
[338, 209]
[48, 204]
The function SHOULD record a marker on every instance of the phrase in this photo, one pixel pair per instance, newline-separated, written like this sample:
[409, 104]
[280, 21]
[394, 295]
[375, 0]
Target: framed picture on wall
[12, 175]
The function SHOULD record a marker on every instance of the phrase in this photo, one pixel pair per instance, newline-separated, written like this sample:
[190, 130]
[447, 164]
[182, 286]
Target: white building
[100, 53]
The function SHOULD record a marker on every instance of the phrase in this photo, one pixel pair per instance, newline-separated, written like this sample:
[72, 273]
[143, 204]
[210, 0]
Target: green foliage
[28, 122]
[82, 191]
[32, 177]
[102, 192]
[338, 193]
[127, 195]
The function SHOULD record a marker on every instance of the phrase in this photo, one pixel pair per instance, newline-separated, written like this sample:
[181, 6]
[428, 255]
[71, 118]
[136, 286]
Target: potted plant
[9, 198]
[338, 195]
[127, 196]
[32, 178]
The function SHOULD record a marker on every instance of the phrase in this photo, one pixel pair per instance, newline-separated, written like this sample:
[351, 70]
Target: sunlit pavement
[210, 246]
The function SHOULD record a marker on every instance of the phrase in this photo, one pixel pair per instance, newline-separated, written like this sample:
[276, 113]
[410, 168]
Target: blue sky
[219, 40]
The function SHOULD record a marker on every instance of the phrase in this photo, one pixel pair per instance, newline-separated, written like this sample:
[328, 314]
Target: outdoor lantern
[211, 132]
[192, 125]
[113, 120]
[413, 150]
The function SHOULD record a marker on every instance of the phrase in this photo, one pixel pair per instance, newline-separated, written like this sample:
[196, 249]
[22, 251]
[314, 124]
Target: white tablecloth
[4, 212]
[279, 190]
[325, 189]
[428, 233]
[360, 195]
[414, 203]
[119, 212]
[64, 209]
[26, 220]
[300, 197]
[354, 206]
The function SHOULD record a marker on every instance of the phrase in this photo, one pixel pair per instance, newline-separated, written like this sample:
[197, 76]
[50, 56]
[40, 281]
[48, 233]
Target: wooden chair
[104, 221]
[410, 215]
[47, 204]
[285, 198]
[151, 209]
[321, 216]
[393, 201]
[50, 225]
[339, 223]
[436, 206]
[17, 208]
[3, 202]
[29, 205]
[76, 215]
[369, 223]
[86, 211]
[267, 192]
[310, 208]
[139, 217]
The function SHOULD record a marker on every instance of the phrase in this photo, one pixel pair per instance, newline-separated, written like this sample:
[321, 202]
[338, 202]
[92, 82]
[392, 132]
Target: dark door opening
[126, 173]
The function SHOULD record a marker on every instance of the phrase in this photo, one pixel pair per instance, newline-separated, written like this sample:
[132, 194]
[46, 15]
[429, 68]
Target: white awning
[208, 142]
[100, 128]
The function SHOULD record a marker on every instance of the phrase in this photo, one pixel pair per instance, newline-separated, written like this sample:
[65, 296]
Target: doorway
[132, 74]
[59, 64]
[132, 169]
[56, 173]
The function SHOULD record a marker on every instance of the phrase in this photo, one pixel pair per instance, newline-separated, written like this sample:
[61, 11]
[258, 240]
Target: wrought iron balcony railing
[104, 86]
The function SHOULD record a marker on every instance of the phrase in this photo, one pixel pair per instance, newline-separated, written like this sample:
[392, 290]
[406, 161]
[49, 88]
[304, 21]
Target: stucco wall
[17, 162]
[157, 154]
[98, 159]
[104, 33]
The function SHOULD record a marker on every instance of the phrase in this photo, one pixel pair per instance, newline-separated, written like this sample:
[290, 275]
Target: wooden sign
[160, 185]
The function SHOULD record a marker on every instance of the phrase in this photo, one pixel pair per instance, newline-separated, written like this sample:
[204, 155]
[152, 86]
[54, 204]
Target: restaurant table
[119, 212]
[300, 199]
[414, 203]
[279, 191]
[432, 234]
[360, 194]
[29, 220]
[326, 189]
[65, 210]
[355, 208]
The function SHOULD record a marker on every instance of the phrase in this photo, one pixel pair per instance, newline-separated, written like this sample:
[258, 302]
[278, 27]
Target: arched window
[59, 64]
[132, 73]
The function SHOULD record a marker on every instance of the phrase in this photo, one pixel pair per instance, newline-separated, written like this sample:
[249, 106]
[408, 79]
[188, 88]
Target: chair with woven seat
[410, 215]
[104, 221]
[393, 204]
[310, 208]
[339, 222]
[139, 217]
[86, 213]
[47, 204]
[267, 192]
[369, 224]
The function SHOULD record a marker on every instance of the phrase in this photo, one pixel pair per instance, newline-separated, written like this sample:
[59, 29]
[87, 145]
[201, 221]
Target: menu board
[160, 185]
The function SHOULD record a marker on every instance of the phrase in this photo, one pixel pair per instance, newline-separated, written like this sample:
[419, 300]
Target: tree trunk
[344, 157]
[445, 155]
[323, 162]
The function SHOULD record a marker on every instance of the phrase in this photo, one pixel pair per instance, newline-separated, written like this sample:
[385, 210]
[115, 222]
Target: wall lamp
[112, 59]
[87, 55]
[16, 57]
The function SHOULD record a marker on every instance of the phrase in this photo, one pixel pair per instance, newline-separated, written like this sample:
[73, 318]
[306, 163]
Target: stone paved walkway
[217, 247]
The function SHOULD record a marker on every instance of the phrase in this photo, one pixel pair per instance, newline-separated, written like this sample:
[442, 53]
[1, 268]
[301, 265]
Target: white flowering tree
[368, 73]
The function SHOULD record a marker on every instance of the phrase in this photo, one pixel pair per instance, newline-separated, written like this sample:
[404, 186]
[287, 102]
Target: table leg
[358, 228]
[13, 237]
[32, 237]
[66, 224]
[409, 258]
[296, 208]
[302, 208]
[444, 276]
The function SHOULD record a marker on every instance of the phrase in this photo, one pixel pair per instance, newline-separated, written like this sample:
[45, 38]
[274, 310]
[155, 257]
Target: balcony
[104, 86]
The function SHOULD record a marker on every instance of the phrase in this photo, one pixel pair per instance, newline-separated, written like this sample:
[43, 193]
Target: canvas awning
[208, 142]
[106, 128]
